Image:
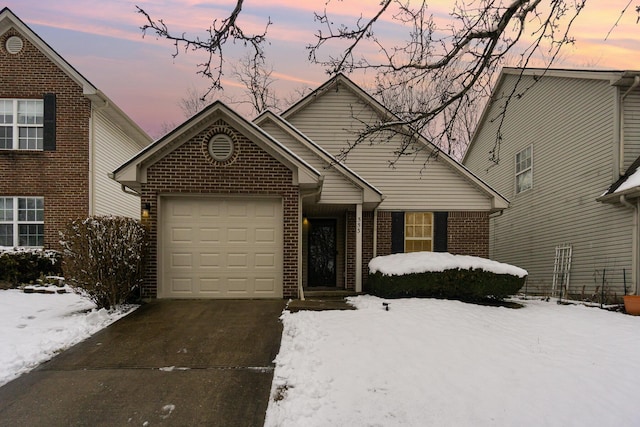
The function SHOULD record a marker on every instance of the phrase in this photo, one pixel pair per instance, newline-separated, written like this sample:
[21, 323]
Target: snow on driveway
[429, 362]
[35, 327]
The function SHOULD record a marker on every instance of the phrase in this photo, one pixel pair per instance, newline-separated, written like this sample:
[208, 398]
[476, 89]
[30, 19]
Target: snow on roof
[422, 262]
[632, 181]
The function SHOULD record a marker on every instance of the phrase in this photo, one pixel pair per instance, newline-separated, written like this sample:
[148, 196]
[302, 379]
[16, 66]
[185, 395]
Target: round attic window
[221, 147]
[14, 44]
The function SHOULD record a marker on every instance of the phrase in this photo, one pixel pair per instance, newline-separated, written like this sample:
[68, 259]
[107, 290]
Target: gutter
[635, 251]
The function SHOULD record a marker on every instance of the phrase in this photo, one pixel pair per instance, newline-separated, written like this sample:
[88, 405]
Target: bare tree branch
[220, 33]
[256, 78]
[442, 72]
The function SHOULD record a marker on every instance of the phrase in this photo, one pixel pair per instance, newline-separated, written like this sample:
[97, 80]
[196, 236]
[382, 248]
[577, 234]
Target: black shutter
[49, 122]
[397, 232]
[440, 220]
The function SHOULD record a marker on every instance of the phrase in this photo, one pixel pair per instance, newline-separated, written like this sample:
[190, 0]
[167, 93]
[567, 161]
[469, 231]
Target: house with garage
[568, 140]
[267, 209]
[60, 137]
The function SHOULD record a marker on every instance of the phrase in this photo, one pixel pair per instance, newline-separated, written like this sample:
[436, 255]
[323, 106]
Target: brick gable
[189, 170]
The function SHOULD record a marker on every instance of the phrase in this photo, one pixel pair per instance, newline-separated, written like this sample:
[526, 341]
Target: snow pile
[35, 327]
[422, 262]
[446, 363]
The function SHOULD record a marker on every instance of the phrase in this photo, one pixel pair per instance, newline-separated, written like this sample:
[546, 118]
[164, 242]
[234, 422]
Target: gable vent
[14, 44]
[221, 147]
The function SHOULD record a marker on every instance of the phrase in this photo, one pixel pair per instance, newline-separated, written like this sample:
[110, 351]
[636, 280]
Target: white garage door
[220, 248]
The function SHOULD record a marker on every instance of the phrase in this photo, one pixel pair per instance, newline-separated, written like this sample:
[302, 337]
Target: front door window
[322, 252]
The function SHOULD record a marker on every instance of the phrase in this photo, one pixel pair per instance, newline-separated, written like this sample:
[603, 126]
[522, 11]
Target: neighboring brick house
[263, 209]
[60, 137]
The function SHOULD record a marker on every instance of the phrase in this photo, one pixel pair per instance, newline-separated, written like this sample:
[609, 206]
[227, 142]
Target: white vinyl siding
[570, 123]
[418, 181]
[336, 188]
[111, 148]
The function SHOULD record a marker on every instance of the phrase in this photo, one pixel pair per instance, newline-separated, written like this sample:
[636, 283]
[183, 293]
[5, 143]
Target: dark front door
[322, 252]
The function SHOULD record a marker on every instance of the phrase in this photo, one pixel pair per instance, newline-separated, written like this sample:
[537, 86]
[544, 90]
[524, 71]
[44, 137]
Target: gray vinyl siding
[336, 188]
[416, 182]
[570, 124]
[631, 109]
[111, 148]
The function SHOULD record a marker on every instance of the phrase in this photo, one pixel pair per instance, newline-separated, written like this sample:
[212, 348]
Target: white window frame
[15, 221]
[413, 238]
[15, 126]
[527, 170]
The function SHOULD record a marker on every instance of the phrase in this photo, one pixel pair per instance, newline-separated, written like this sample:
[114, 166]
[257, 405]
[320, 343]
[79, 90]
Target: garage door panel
[240, 260]
[237, 209]
[237, 235]
[265, 285]
[265, 235]
[210, 260]
[217, 248]
[265, 261]
[182, 285]
[182, 260]
[210, 286]
[238, 285]
[209, 235]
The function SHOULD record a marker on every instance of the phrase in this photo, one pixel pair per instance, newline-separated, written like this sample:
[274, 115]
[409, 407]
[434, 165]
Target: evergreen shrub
[459, 284]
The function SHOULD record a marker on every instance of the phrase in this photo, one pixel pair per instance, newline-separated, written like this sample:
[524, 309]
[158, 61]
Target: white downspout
[300, 231]
[635, 251]
[636, 83]
[375, 232]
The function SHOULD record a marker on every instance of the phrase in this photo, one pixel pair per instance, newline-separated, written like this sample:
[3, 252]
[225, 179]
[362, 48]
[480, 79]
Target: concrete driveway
[172, 362]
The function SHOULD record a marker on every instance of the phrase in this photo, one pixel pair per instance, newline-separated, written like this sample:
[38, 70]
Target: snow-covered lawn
[429, 362]
[35, 327]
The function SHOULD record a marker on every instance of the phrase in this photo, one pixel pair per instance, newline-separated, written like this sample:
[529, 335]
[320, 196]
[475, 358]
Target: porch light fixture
[146, 209]
[305, 221]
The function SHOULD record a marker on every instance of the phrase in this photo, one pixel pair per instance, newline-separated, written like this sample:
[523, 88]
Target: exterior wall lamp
[146, 209]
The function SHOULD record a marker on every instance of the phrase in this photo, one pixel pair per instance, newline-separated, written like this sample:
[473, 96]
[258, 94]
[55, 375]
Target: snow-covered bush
[443, 275]
[105, 257]
[22, 266]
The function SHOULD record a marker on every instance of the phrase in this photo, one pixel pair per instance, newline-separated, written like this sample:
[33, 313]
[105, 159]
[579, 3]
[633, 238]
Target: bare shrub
[105, 257]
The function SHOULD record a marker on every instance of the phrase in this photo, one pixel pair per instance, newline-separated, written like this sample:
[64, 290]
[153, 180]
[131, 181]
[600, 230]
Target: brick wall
[60, 176]
[188, 169]
[468, 233]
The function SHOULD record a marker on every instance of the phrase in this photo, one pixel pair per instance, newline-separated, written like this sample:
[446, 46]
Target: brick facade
[188, 169]
[60, 176]
[467, 234]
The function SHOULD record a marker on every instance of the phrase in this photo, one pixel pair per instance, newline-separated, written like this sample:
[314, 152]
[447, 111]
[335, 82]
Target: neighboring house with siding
[264, 209]
[60, 137]
[564, 142]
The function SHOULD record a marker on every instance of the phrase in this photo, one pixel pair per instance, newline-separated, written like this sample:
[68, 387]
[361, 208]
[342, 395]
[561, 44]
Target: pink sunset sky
[102, 40]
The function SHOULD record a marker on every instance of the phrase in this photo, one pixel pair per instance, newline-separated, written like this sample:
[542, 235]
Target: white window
[418, 231]
[524, 170]
[21, 124]
[22, 221]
